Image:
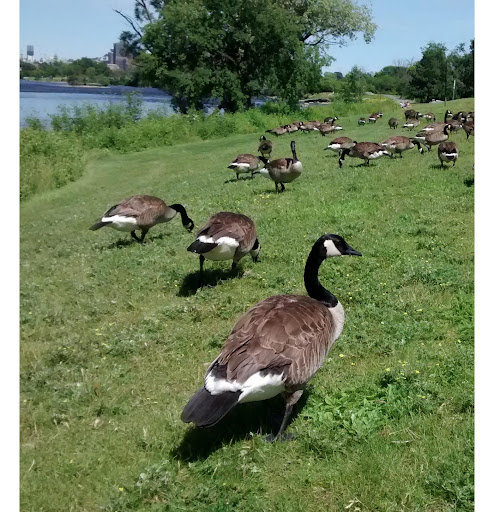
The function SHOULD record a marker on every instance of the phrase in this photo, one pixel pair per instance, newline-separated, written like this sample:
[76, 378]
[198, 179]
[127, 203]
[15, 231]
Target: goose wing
[232, 225]
[135, 206]
[285, 334]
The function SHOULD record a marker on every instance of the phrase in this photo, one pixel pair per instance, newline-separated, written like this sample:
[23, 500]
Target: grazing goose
[326, 128]
[265, 147]
[412, 123]
[361, 121]
[141, 212]
[280, 130]
[400, 143]
[330, 120]
[433, 138]
[276, 347]
[447, 152]
[393, 123]
[364, 150]
[309, 126]
[341, 143]
[226, 236]
[410, 114]
[430, 116]
[293, 127]
[468, 126]
[245, 163]
[283, 170]
[373, 118]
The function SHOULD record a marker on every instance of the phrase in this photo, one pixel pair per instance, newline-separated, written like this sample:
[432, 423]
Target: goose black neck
[180, 209]
[312, 284]
[294, 155]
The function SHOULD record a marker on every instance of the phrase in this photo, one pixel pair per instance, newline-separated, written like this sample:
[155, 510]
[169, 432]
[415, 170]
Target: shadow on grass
[235, 180]
[211, 278]
[243, 420]
[469, 181]
[125, 242]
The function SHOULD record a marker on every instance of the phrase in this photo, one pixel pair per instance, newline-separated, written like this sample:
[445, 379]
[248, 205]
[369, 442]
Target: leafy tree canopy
[235, 49]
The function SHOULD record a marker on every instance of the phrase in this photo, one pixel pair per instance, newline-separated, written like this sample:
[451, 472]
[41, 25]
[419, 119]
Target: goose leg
[237, 175]
[134, 236]
[291, 400]
[276, 186]
[201, 268]
[143, 234]
[282, 187]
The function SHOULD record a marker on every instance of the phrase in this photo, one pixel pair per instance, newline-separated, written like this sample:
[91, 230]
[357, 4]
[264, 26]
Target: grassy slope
[115, 336]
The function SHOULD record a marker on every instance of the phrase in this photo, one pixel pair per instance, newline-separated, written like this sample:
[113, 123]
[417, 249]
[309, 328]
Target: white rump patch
[331, 249]
[265, 172]
[225, 250]
[334, 147]
[122, 223]
[377, 154]
[243, 167]
[254, 389]
[336, 128]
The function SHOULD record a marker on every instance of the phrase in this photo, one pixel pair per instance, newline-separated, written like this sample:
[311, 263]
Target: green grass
[115, 336]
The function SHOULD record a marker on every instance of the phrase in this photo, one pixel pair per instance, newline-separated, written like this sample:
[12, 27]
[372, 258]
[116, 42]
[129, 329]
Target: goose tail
[201, 247]
[205, 409]
[99, 225]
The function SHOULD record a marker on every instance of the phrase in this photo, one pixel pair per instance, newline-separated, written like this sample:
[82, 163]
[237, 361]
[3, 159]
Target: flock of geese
[279, 344]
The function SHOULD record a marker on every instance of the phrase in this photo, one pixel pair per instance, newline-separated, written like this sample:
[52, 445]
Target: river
[42, 99]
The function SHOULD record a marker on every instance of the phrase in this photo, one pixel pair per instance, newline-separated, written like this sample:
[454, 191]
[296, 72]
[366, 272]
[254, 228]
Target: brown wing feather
[146, 209]
[234, 225]
[284, 333]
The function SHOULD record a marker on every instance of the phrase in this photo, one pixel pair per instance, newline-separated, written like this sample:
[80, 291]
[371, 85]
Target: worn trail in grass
[116, 336]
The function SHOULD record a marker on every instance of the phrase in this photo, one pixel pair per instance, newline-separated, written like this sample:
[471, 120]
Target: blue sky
[88, 28]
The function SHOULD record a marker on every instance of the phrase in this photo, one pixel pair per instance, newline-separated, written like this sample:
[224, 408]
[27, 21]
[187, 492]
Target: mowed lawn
[116, 336]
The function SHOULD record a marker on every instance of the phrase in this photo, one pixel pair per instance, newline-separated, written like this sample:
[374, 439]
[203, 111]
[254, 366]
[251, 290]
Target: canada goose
[293, 127]
[412, 123]
[430, 116]
[364, 150]
[280, 130]
[380, 114]
[309, 126]
[245, 163]
[361, 121]
[468, 126]
[326, 128]
[141, 212]
[276, 347]
[283, 170]
[265, 147]
[341, 143]
[433, 138]
[448, 114]
[437, 126]
[330, 120]
[393, 123]
[373, 118]
[226, 236]
[410, 114]
[447, 152]
[400, 143]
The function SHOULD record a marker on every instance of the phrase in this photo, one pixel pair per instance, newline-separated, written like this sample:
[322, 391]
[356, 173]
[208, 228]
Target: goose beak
[352, 252]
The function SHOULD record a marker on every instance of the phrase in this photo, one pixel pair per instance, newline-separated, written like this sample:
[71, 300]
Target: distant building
[116, 57]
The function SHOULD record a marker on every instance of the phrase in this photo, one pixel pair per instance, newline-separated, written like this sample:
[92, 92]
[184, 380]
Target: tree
[354, 88]
[233, 49]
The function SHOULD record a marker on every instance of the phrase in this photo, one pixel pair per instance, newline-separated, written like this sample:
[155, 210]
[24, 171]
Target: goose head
[330, 246]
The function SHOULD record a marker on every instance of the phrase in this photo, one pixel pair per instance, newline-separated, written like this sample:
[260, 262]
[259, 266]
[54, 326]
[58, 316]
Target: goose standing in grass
[280, 130]
[468, 126]
[265, 147]
[141, 212]
[326, 128]
[400, 143]
[341, 143]
[330, 120]
[283, 170]
[430, 116]
[361, 121]
[373, 118]
[364, 150]
[410, 114]
[245, 163]
[393, 123]
[433, 138]
[447, 152]
[226, 236]
[276, 347]
[412, 123]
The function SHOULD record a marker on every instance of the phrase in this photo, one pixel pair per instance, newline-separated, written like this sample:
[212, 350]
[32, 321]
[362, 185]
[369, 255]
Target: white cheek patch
[121, 223]
[331, 249]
